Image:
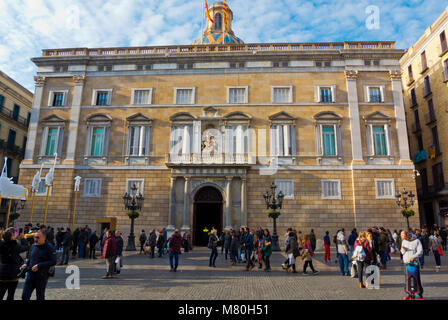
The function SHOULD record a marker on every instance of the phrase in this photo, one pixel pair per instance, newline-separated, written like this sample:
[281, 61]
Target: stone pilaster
[400, 116]
[74, 118]
[355, 126]
[172, 206]
[228, 216]
[185, 216]
[34, 120]
[243, 202]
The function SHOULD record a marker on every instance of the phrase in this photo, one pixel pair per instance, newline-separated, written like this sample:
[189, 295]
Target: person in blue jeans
[351, 242]
[342, 252]
[175, 243]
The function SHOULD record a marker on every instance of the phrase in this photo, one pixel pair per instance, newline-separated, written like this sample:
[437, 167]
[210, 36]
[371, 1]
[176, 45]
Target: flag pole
[202, 23]
[32, 207]
[74, 211]
[9, 212]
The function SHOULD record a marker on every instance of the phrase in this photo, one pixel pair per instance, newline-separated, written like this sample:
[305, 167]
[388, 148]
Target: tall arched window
[218, 21]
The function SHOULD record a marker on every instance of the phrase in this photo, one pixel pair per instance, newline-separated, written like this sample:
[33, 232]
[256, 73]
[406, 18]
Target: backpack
[359, 254]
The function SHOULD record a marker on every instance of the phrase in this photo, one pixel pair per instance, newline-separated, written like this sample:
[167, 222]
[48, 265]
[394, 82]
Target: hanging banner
[9, 190]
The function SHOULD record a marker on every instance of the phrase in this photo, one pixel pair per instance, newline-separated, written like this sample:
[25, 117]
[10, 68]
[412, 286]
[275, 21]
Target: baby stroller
[413, 285]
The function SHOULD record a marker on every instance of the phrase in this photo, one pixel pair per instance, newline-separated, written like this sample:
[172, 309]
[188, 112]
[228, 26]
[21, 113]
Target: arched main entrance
[207, 212]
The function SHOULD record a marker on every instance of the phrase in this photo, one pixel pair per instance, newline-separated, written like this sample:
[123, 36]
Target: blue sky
[28, 26]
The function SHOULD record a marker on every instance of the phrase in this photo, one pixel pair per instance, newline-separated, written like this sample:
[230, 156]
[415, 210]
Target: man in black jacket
[82, 243]
[67, 242]
[93, 240]
[142, 241]
[152, 241]
[42, 257]
[75, 241]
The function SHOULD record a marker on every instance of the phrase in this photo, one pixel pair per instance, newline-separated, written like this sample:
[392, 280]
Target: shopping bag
[243, 256]
[354, 270]
[440, 251]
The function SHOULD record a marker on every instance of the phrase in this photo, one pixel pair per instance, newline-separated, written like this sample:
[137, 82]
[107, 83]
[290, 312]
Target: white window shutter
[43, 141]
[317, 94]
[273, 140]
[367, 93]
[318, 140]
[106, 141]
[88, 141]
[369, 141]
[280, 150]
[148, 140]
[338, 139]
[382, 93]
[292, 130]
[333, 93]
[60, 141]
[390, 149]
[128, 141]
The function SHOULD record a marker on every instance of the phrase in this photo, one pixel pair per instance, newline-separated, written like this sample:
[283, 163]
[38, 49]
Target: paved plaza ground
[143, 278]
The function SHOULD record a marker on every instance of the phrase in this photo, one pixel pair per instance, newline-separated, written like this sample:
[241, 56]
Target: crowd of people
[32, 252]
[375, 246]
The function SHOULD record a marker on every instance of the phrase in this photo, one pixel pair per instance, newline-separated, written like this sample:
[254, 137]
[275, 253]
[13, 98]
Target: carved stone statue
[209, 144]
[77, 182]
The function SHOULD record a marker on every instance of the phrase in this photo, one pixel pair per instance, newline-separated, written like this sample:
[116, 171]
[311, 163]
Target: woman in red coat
[109, 253]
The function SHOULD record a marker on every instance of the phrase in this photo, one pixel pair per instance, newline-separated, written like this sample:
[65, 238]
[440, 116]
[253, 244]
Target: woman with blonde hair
[307, 255]
[213, 245]
[359, 256]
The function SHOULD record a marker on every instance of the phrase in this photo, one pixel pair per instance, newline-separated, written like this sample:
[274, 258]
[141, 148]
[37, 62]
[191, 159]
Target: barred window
[282, 95]
[385, 189]
[142, 96]
[331, 190]
[237, 95]
[92, 188]
[139, 183]
[184, 96]
[286, 187]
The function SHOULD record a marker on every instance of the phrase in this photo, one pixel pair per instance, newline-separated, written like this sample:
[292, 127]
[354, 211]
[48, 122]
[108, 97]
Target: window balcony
[420, 156]
[208, 159]
[12, 148]
[430, 118]
[10, 115]
[416, 127]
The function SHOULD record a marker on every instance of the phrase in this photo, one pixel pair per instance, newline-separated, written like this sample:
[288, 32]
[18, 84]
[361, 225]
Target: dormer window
[218, 22]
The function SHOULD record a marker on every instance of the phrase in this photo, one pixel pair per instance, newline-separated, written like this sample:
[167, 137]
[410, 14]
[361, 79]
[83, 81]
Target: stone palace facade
[203, 130]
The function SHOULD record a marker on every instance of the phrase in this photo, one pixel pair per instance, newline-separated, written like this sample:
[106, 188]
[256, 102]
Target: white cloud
[28, 26]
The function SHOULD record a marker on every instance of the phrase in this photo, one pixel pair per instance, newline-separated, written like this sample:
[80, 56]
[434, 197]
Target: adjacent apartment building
[15, 113]
[425, 79]
[203, 130]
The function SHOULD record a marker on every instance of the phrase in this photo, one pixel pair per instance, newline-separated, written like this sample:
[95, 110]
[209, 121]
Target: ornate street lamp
[16, 205]
[132, 202]
[274, 202]
[406, 200]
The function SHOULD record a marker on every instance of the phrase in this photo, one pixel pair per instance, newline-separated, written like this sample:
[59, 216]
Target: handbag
[51, 271]
[440, 251]
[296, 253]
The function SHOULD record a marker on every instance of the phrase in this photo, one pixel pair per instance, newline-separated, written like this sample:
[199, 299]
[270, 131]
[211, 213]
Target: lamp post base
[131, 243]
[275, 246]
[131, 238]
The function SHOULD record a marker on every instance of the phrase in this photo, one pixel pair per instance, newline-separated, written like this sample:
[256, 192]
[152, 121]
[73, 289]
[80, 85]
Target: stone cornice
[233, 56]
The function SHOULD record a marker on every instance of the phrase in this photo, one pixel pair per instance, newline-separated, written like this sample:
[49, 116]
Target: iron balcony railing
[9, 147]
[10, 114]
